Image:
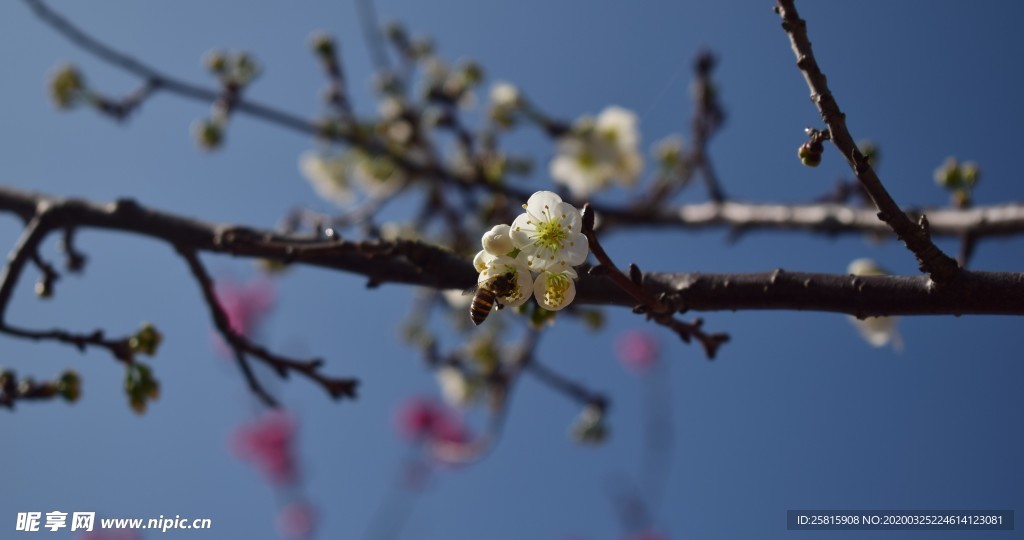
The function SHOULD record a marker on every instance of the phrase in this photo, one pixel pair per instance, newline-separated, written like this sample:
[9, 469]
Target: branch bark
[931, 259]
[416, 263]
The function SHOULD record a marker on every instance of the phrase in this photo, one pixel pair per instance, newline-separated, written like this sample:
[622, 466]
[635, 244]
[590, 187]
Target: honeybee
[486, 293]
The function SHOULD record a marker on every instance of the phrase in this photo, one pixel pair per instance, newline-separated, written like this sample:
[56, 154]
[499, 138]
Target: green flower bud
[970, 172]
[246, 69]
[810, 153]
[322, 44]
[948, 174]
[66, 86]
[69, 386]
[208, 134]
[471, 73]
[589, 427]
[146, 340]
[216, 62]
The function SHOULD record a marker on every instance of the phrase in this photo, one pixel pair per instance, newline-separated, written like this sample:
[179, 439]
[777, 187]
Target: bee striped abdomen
[480, 307]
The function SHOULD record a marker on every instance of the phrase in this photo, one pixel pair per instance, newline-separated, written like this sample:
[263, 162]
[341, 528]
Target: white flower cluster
[599, 151]
[539, 251]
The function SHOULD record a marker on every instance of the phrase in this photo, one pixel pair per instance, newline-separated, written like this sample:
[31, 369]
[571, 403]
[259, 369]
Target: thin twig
[241, 345]
[931, 259]
[652, 305]
[570, 388]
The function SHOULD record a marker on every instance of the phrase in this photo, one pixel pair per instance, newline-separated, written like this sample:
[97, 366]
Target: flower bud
[589, 426]
[69, 386]
[208, 134]
[322, 44]
[44, 288]
[948, 174]
[810, 153]
[497, 241]
[970, 172]
[146, 340]
[216, 62]
[66, 86]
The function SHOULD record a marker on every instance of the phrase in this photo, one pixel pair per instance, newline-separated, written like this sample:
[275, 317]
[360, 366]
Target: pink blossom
[424, 419]
[637, 350]
[267, 442]
[246, 304]
[296, 520]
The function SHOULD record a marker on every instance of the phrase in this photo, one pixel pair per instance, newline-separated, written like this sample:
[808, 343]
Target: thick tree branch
[932, 260]
[416, 263]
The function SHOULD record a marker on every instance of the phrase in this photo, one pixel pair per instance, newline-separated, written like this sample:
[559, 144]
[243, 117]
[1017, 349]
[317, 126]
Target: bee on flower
[534, 256]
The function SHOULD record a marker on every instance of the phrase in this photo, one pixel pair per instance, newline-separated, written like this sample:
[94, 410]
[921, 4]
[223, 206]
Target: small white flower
[497, 241]
[548, 233]
[329, 176]
[555, 290]
[455, 389]
[481, 260]
[504, 95]
[522, 280]
[878, 331]
[598, 152]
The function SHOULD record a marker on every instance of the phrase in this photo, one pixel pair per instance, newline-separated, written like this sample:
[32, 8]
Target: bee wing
[489, 282]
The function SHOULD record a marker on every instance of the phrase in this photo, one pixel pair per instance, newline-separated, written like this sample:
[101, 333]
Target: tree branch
[416, 263]
[931, 259]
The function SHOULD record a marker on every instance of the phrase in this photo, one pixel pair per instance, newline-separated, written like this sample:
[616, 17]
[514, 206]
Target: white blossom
[455, 388]
[878, 331]
[555, 290]
[548, 233]
[497, 241]
[522, 280]
[598, 152]
[329, 176]
[504, 95]
[481, 260]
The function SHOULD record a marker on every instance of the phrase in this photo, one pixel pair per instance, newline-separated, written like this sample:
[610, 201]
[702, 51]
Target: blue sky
[798, 412]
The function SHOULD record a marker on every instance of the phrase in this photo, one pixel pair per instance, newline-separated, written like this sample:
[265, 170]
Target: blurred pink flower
[267, 442]
[246, 304]
[637, 350]
[423, 418]
[113, 534]
[296, 520]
